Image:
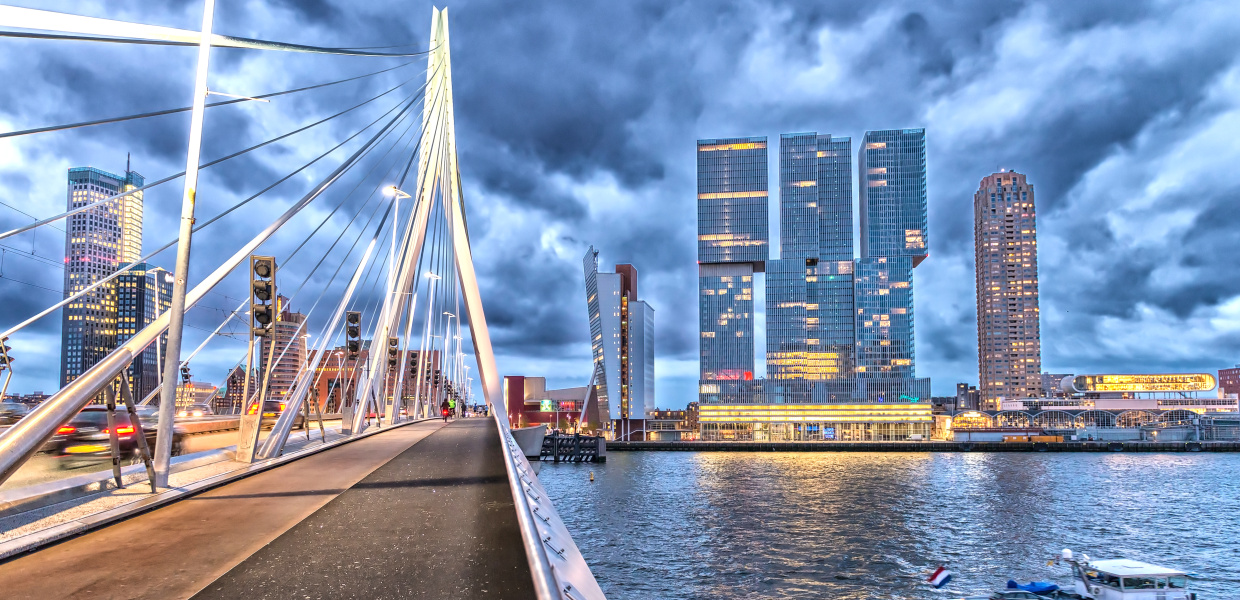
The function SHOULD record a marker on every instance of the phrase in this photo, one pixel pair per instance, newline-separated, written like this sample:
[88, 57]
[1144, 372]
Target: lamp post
[395, 194]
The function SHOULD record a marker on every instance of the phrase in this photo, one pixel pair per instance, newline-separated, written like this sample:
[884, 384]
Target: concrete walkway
[437, 521]
[175, 551]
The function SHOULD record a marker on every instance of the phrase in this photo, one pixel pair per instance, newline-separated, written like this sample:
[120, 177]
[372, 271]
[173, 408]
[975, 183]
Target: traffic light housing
[413, 363]
[262, 295]
[393, 353]
[353, 333]
[185, 374]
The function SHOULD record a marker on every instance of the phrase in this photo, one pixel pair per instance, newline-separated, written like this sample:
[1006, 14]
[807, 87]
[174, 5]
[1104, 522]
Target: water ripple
[674, 525]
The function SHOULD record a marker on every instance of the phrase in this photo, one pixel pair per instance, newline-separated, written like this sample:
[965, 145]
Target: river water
[846, 525]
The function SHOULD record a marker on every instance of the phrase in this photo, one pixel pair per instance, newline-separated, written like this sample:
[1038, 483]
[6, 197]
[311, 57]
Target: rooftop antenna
[126, 163]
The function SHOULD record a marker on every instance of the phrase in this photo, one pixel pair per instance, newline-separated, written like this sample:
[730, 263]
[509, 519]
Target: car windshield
[271, 406]
[97, 418]
[13, 407]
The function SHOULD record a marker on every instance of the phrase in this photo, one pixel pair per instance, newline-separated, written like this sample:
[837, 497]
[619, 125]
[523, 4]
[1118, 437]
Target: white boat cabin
[1130, 580]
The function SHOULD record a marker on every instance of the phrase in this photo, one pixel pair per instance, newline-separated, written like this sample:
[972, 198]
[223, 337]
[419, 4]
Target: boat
[1124, 579]
[1119, 579]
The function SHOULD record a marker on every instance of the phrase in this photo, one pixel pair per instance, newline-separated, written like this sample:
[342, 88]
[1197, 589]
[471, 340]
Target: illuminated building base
[814, 422]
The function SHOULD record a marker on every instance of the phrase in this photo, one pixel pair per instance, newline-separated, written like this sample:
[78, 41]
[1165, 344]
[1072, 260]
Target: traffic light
[185, 374]
[6, 358]
[353, 333]
[436, 378]
[262, 294]
[393, 356]
[413, 364]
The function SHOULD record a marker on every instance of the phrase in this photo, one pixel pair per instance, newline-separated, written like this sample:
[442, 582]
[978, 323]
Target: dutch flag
[940, 577]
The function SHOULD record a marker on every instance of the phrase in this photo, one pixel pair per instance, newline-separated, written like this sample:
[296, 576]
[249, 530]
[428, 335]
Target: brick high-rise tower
[1009, 344]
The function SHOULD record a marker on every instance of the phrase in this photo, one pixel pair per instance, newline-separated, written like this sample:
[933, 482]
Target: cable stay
[170, 111]
[107, 30]
[148, 186]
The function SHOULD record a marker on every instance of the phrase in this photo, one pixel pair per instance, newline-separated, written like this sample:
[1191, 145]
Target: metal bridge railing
[557, 566]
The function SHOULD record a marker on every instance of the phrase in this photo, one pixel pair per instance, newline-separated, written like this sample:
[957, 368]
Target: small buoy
[591, 475]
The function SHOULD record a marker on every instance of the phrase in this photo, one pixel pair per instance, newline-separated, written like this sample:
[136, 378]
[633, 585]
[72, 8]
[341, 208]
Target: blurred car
[86, 438]
[196, 410]
[12, 412]
[271, 412]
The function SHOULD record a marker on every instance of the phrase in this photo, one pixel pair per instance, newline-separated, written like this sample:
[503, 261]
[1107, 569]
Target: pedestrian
[445, 409]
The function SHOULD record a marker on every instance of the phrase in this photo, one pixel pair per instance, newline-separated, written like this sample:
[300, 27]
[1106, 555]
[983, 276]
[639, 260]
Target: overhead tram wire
[171, 111]
[200, 226]
[148, 186]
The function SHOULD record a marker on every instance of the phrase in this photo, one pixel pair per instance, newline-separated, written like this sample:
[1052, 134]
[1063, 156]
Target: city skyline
[549, 174]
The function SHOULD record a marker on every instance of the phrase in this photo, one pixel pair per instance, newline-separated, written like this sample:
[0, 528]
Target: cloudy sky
[576, 125]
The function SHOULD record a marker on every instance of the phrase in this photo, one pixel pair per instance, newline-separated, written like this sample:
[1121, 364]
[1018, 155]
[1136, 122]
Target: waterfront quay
[925, 446]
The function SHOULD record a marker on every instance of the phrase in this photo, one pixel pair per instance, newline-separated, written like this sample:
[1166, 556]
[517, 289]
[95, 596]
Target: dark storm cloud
[576, 123]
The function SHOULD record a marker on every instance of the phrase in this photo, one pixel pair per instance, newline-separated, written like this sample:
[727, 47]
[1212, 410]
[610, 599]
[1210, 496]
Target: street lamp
[395, 194]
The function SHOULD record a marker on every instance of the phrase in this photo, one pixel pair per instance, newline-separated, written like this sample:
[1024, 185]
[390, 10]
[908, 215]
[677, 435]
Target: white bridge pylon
[438, 177]
[438, 181]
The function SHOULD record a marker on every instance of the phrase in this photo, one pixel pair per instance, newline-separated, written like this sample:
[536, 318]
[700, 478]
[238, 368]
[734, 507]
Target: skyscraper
[839, 330]
[622, 342]
[97, 242]
[1005, 243]
[891, 173]
[809, 290]
[732, 246]
[142, 293]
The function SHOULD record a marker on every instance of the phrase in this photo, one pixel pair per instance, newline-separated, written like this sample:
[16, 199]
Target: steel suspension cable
[197, 227]
[94, 29]
[148, 186]
[171, 111]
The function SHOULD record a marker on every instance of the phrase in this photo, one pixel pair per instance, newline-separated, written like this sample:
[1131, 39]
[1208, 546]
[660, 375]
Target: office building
[809, 290]
[622, 343]
[839, 328]
[732, 245]
[233, 396]
[97, 242]
[1050, 385]
[1229, 381]
[143, 293]
[287, 354]
[1009, 347]
[891, 175]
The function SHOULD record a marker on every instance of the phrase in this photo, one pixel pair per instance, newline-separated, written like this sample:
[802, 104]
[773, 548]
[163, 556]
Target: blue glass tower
[732, 245]
[809, 290]
[891, 169]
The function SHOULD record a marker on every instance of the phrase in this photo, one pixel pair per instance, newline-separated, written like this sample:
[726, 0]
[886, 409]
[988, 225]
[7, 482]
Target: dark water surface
[871, 525]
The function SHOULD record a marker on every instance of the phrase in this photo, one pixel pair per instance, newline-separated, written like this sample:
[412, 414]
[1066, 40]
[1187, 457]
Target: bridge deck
[435, 519]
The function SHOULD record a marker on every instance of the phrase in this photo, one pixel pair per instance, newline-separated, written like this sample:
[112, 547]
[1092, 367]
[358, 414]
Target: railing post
[167, 401]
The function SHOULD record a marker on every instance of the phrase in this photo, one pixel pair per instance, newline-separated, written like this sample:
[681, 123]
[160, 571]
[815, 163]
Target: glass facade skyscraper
[622, 341]
[732, 245]
[809, 290]
[891, 171]
[97, 242]
[839, 353]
